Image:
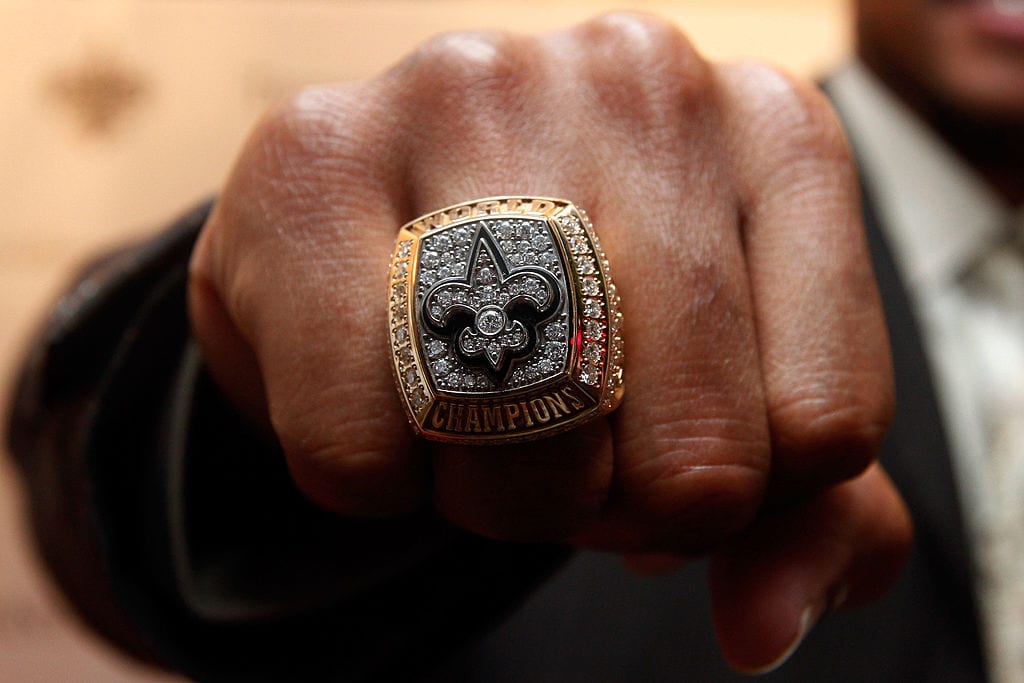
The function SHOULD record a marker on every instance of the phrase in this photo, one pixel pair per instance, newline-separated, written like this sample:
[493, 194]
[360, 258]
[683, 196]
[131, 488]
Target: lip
[1001, 20]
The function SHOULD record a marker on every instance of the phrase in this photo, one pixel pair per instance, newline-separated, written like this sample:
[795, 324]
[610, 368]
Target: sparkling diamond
[592, 352]
[404, 249]
[430, 259]
[585, 265]
[401, 270]
[435, 348]
[411, 376]
[419, 399]
[593, 329]
[555, 331]
[555, 349]
[570, 224]
[516, 337]
[616, 322]
[401, 335]
[592, 308]
[485, 276]
[490, 320]
[578, 244]
[539, 242]
[591, 287]
[441, 367]
[590, 375]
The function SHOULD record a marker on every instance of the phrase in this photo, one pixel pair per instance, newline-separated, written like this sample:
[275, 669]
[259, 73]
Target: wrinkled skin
[758, 378]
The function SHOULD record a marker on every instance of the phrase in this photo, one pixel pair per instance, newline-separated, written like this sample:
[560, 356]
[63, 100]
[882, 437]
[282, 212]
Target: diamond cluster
[595, 364]
[401, 329]
[445, 255]
[600, 319]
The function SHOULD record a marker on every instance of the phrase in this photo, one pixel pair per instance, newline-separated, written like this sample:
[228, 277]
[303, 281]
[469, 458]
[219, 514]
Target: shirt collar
[938, 213]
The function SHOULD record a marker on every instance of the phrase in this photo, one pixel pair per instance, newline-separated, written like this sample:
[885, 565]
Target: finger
[772, 584]
[228, 356]
[823, 342]
[497, 131]
[545, 491]
[293, 257]
[692, 452]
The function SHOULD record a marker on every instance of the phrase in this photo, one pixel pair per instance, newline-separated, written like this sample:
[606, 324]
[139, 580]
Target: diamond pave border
[574, 371]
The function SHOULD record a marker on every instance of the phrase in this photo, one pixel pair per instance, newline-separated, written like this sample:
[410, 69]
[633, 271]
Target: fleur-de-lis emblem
[491, 314]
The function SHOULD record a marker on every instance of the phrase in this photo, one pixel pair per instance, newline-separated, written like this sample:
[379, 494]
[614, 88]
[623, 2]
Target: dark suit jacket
[177, 533]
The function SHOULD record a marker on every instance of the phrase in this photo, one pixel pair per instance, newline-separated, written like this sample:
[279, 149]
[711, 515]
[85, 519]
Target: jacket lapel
[917, 454]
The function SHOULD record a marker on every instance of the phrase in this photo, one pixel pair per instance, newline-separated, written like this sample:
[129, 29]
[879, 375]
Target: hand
[756, 355]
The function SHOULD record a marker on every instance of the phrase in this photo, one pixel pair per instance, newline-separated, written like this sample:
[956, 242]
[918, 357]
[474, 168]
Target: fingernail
[808, 618]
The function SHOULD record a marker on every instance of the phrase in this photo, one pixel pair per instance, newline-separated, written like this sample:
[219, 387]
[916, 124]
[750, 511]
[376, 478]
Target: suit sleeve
[175, 531]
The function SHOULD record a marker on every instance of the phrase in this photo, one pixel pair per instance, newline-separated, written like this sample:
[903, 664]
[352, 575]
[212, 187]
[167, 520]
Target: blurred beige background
[115, 115]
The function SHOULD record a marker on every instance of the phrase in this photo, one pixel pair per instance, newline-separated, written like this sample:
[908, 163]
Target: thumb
[772, 584]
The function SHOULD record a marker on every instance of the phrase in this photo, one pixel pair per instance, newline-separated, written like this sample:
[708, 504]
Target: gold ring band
[504, 322]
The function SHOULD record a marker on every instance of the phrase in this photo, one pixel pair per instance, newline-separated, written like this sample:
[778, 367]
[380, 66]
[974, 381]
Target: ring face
[504, 322]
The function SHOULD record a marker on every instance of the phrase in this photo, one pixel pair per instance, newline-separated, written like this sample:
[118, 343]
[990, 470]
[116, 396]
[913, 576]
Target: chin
[983, 91]
[979, 59]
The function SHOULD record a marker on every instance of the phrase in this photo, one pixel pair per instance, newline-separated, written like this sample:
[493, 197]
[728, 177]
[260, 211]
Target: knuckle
[322, 148]
[329, 128]
[833, 429]
[545, 493]
[350, 482]
[792, 114]
[700, 489]
[638, 36]
[644, 67]
[296, 128]
[461, 64]
[346, 469]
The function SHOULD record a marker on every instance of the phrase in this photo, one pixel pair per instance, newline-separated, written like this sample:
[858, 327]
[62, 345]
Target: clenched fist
[757, 374]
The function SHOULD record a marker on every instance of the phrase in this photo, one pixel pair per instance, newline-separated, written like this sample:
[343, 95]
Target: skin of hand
[758, 382]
